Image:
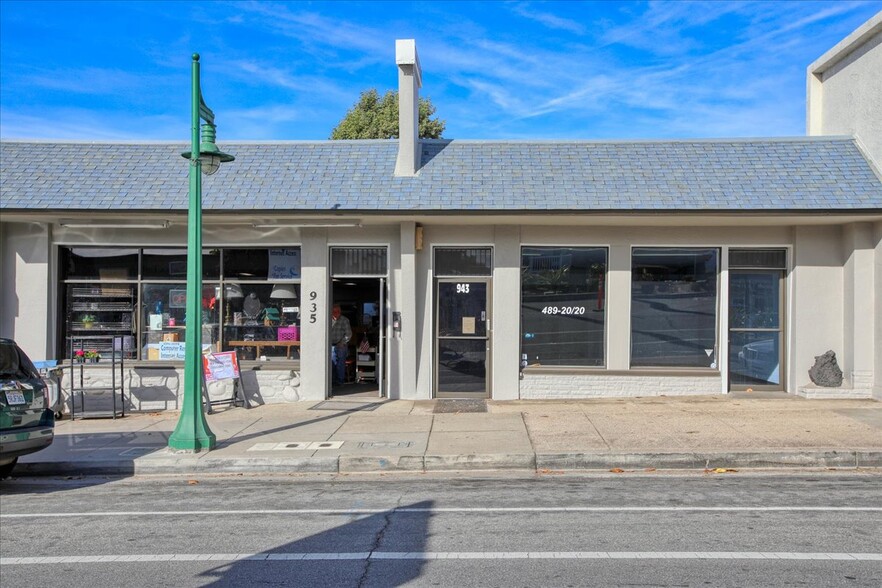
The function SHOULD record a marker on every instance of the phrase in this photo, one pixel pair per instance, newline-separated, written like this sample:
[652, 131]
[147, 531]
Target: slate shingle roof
[803, 174]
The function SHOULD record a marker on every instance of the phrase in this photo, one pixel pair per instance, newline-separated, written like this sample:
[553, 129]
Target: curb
[194, 464]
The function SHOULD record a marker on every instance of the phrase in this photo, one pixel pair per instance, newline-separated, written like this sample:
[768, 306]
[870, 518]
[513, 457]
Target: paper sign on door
[468, 325]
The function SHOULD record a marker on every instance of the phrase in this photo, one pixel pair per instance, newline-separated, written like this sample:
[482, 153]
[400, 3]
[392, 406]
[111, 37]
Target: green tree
[374, 117]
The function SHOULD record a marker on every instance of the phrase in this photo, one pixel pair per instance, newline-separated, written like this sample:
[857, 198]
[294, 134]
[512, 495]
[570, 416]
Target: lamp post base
[195, 444]
[192, 434]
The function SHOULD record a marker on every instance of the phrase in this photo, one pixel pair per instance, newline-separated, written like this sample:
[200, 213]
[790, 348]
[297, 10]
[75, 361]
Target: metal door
[462, 338]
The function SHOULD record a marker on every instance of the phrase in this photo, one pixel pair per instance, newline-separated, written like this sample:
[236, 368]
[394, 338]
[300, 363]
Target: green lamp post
[192, 432]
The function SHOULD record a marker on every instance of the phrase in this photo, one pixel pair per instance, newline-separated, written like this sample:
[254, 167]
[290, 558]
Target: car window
[15, 364]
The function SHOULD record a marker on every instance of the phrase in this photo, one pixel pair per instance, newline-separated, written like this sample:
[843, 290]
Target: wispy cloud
[548, 19]
[516, 69]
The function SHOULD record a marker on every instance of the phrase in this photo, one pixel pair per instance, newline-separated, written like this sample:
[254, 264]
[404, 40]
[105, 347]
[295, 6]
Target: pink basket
[289, 333]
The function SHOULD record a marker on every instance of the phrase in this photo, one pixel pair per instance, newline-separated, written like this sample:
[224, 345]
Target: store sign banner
[173, 350]
[284, 264]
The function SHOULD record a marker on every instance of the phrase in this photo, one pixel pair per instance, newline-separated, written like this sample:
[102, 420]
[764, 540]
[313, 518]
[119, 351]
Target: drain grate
[344, 406]
[445, 406]
[385, 444]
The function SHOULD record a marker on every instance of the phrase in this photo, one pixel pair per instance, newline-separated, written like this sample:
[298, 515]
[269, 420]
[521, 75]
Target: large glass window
[562, 306]
[674, 307]
[249, 300]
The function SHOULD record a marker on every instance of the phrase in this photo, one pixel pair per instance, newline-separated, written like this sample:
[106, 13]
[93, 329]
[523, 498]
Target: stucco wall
[877, 297]
[26, 309]
[844, 98]
[817, 315]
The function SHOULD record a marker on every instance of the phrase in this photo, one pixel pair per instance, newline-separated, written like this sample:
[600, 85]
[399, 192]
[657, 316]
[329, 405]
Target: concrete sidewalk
[362, 435]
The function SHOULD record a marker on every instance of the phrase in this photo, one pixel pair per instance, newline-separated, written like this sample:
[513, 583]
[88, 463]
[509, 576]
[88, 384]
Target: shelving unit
[112, 308]
[114, 355]
[366, 369]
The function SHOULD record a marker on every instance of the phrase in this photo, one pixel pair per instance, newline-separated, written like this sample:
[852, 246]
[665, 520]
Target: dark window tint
[98, 263]
[562, 305]
[451, 261]
[171, 264]
[757, 258]
[673, 307]
[358, 261]
[246, 264]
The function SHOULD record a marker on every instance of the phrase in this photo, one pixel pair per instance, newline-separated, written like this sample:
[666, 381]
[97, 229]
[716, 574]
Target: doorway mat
[445, 406]
[345, 406]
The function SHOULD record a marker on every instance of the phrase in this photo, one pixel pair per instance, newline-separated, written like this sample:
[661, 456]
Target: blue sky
[494, 70]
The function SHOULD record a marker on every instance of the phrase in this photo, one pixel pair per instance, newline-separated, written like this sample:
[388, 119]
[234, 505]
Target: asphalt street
[730, 529]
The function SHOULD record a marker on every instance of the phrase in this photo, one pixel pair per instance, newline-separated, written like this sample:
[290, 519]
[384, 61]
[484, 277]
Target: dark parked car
[27, 424]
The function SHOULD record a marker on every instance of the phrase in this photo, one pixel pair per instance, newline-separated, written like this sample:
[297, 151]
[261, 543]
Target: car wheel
[6, 470]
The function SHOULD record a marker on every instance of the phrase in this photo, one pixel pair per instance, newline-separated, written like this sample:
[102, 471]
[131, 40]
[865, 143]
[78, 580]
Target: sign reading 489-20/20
[563, 310]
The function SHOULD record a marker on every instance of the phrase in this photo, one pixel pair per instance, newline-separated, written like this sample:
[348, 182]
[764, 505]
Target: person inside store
[341, 333]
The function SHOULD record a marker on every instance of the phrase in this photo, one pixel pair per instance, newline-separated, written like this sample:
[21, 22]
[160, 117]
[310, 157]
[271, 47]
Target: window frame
[606, 248]
[716, 366]
[138, 283]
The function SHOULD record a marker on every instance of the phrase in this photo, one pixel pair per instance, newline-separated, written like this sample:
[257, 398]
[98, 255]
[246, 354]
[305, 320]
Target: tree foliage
[374, 117]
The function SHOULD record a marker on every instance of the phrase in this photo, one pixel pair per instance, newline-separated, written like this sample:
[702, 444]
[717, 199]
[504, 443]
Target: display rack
[366, 365]
[111, 351]
[110, 310]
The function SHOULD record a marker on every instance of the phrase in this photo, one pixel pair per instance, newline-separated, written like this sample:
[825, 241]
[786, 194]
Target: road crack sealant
[378, 539]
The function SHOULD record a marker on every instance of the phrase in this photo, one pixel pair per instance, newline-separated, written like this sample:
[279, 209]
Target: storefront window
[562, 306]
[262, 321]
[674, 307]
[164, 320]
[253, 315]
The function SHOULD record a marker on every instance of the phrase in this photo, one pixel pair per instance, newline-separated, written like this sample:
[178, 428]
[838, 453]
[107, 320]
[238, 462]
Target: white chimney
[409, 82]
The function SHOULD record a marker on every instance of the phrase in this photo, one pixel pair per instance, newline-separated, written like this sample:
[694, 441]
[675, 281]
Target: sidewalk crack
[530, 439]
[596, 430]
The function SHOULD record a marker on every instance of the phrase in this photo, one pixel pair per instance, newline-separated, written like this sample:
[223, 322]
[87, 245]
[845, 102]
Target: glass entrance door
[755, 345]
[462, 347]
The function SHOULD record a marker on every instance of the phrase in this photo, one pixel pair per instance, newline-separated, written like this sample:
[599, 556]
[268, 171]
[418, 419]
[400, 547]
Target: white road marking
[437, 510]
[432, 555]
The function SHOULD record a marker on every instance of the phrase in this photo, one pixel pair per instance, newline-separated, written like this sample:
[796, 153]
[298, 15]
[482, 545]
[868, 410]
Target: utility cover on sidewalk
[454, 406]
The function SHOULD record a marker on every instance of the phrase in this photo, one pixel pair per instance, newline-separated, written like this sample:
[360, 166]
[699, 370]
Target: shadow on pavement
[347, 549]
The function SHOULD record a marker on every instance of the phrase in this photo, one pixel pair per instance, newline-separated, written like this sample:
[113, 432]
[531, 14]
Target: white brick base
[845, 391]
[563, 386]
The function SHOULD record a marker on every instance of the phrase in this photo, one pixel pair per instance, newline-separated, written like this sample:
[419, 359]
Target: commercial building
[500, 269]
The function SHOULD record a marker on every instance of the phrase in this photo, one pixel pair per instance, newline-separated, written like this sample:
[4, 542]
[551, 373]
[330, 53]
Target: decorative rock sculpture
[826, 371]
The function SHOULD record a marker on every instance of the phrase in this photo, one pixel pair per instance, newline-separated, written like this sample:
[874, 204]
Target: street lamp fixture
[192, 432]
[209, 154]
